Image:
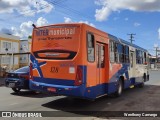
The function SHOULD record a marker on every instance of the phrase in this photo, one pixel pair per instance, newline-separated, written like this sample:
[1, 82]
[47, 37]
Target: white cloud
[25, 7]
[155, 45]
[109, 6]
[25, 28]
[69, 20]
[41, 21]
[102, 14]
[136, 24]
[86, 22]
[159, 33]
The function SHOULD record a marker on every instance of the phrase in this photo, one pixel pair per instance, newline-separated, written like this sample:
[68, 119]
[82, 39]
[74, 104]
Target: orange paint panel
[35, 73]
[103, 76]
[51, 70]
[91, 75]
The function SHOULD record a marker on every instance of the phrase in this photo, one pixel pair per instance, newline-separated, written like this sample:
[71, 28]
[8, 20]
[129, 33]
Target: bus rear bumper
[77, 91]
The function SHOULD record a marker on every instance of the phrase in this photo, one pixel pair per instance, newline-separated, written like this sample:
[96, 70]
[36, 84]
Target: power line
[70, 10]
[67, 11]
[44, 6]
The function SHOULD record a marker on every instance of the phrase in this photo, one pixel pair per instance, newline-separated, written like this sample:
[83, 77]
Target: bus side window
[112, 58]
[145, 58]
[102, 56]
[139, 57]
[116, 52]
[120, 52]
[126, 54]
[90, 47]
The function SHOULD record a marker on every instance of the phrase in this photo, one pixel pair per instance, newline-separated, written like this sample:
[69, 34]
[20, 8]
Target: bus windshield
[56, 42]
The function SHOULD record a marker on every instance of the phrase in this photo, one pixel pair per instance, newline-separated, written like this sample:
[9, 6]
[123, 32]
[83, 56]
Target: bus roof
[119, 40]
[112, 37]
[59, 24]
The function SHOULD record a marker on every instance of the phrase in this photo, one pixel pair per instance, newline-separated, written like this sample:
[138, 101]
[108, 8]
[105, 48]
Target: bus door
[100, 59]
[132, 64]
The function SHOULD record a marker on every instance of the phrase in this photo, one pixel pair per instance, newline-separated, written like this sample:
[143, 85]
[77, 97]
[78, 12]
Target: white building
[25, 46]
[9, 46]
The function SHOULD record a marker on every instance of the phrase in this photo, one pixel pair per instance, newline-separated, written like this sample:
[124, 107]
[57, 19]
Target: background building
[14, 53]
[9, 46]
[25, 46]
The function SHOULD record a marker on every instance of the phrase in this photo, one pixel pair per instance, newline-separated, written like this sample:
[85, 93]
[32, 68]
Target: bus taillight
[79, 77]
[145, 63]
[31, 72]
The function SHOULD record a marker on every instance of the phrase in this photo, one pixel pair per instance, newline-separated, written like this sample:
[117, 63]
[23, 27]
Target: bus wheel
[119, 89]
[141, 85]
[16, 89]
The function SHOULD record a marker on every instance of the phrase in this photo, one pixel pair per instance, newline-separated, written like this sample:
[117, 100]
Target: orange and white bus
[81, 61]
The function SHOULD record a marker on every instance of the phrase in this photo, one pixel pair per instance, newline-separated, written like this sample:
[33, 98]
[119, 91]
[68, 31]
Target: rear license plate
[51, 89]
[11, 85]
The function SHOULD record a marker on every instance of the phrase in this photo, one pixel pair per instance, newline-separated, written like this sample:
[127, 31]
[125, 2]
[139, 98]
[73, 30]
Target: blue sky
[117, 17]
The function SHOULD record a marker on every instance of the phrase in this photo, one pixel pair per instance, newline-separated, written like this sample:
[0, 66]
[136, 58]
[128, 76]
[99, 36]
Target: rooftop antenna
[34, 25]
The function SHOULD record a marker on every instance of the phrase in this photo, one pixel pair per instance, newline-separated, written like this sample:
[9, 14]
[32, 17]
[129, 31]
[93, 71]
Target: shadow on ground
[135, 99]
[31, 94]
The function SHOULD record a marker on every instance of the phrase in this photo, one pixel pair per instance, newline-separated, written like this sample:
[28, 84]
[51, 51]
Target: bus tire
[16, 90]
[119, 88]
[141, 85]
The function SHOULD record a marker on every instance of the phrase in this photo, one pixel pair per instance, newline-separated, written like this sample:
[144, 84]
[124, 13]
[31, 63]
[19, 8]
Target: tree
[30, 37]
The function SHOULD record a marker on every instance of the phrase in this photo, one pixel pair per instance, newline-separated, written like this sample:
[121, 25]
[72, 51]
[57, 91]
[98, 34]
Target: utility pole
[156, 56]
[131, 37]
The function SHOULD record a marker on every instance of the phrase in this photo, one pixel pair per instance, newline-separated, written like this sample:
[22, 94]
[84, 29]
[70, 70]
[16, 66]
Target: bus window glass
[91, 48]
[126, 54]
[131, 60]
[145, 57]
[116, 53]
[139, 57]
[120, 51]
[112, 51]
[102, 56]
[123, 54]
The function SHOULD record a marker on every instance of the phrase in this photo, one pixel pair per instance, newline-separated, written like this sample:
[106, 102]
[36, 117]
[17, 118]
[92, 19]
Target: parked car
[19, 79]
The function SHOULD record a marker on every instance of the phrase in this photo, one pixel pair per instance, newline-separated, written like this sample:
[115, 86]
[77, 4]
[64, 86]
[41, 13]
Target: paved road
[135, 99]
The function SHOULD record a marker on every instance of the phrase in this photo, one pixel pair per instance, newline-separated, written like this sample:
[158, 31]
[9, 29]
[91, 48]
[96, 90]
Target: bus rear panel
[57, 60]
